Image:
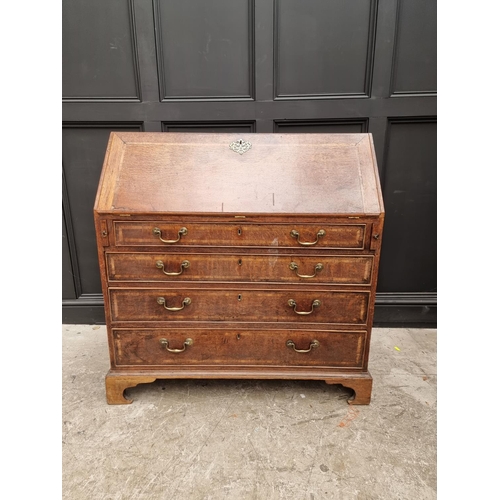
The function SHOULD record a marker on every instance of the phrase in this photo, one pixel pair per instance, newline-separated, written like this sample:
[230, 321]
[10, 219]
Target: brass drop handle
[294, 267]
[164, 343]
[315, 303]
[163, 302]
[182, 232]
[312, 345]
[184, 265]
[319, 234]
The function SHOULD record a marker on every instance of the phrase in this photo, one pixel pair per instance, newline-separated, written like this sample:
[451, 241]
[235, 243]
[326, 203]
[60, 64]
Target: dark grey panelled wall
[255, 66]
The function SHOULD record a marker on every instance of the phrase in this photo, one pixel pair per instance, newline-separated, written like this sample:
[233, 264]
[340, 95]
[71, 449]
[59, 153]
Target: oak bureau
[225, 256]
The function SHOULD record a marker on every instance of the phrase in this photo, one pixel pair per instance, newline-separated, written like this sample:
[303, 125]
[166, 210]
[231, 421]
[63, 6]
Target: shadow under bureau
[239, 257]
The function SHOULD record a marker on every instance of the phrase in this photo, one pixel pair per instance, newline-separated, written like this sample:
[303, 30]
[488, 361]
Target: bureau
[252, 257]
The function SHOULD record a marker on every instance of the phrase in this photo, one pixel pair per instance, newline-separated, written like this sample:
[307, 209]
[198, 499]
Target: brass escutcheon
[240, 146]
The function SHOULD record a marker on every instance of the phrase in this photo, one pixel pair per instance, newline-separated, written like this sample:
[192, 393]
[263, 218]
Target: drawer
[355, 270]
[203, 304]
[151, 233]
[204, 347]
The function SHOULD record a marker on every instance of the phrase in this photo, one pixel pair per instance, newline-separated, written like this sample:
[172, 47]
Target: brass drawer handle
[294, 267]
[163, 302]
[164, 343]
[312, 345]
[315, 303]
[184, 265]
[182, 232]
[319, 234]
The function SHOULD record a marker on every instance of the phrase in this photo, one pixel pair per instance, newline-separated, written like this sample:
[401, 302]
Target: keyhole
[239, 262]
[239, 231]
[239, 296]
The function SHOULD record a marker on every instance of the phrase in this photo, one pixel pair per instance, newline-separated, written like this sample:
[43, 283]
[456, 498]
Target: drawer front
[151, 233]
[244, 305]
[204, 347]
[355, 270]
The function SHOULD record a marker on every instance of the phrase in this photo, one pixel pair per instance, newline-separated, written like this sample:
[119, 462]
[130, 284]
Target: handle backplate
[187, 342]
[315, 303]
[295, 267]
[163, 302]
[313, 345]
[295, 234]
[182, 232]
[184, 265]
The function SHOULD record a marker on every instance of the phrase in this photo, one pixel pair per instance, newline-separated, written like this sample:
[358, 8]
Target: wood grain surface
[294, 268]
[280, 174]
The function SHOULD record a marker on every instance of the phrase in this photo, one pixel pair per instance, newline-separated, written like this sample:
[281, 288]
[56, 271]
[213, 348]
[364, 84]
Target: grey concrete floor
[243, 439]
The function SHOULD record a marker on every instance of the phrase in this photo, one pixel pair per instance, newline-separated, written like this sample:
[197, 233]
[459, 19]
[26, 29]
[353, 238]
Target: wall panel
[321, 126]
[215, 127]
[323, 47]
[415, 56]
[99, 50]
[205, 49]
[68, 283]
[408, 261]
